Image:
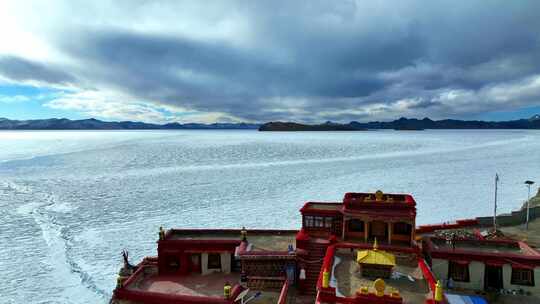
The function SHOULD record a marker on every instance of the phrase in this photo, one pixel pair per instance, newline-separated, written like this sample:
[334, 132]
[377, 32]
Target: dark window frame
[459, 272]
[353, 228]
[328, 222]
[314, 221]
[518, 275]
[402, 228]
[173, 263]
[308, 221]
[318, 221]
[214, 261]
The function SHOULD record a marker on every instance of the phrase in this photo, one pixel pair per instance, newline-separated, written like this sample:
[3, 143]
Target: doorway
[196, 263]
[379, 230]
[493, 278]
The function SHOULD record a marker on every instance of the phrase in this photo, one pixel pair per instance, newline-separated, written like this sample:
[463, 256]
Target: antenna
[495, 205]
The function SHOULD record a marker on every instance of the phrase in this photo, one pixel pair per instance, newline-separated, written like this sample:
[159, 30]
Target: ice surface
[71, 201]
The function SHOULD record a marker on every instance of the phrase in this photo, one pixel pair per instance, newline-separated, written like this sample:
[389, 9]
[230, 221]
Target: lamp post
[528, 183]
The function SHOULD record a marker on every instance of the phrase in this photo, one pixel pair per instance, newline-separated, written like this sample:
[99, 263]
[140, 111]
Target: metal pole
[495, 204]
[528, 199]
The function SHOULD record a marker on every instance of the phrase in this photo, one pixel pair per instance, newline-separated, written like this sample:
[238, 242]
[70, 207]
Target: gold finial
[375, 244]
[243, 234]
[438, 292]
[227, 290]
[325, 279]
[119, 282]
[364, 290]
[161, 233]
[379, 195]
[379, 286]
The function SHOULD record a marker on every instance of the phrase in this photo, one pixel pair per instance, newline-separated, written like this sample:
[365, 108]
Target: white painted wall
[226, 262]
[204, 264]
[507, 280]
[440, 269]
[476, 274]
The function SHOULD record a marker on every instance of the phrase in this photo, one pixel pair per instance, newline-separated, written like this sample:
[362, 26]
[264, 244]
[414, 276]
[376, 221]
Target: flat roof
[478, 245]
[408, 280]
[272, 242]
[210, 285]
[371, 197]
[322, 207]
[261, 240]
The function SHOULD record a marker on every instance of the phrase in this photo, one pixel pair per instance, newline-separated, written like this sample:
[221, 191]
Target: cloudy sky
[255, 61]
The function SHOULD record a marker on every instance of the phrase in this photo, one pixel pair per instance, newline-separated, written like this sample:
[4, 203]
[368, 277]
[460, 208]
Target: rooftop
[210, 285]
[197, 285]
[376, 257]
[324, 207]
[407, 278]
[379, 196]
[261, 240]
[482, 246]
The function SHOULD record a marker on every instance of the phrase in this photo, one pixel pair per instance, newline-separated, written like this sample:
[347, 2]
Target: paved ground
[195, 285]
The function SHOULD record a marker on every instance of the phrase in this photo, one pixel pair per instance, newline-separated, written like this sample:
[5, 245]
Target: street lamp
[528, 183]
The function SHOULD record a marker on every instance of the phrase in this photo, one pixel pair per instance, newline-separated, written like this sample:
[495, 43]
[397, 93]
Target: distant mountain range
[399, 124]
[406, 124]
[94, 124]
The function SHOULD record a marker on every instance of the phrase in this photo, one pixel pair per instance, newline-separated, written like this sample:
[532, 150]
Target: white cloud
[116, 106]
[13, 98]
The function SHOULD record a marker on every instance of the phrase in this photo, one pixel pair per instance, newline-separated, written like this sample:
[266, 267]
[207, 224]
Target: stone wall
[511, 219]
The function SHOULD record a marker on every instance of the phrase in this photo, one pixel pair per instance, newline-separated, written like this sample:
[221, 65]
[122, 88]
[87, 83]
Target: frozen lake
[70, 201]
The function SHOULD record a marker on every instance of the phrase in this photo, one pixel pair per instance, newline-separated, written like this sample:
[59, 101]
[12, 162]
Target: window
[522, 277]
[173, 263]
[402, 228]
[318, 221]
[308, 221]
[356, 225]
[328, 222]
[459, 272]
[214, 261]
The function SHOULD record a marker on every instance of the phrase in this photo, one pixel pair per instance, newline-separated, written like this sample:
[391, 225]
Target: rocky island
[292, 126]
[405, 124]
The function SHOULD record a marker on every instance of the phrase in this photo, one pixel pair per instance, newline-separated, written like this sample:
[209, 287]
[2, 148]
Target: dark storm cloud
[210, 70]
[19, 69]
[316, 60]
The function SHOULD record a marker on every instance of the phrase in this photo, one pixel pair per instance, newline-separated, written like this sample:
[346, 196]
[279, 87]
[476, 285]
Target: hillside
[95, 124]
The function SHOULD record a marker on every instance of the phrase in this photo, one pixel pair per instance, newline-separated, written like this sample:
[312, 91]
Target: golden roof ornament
[161, 233]
[376, 257]
[379, 195]
[243, 234]
[379, 286]
[439, 294]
